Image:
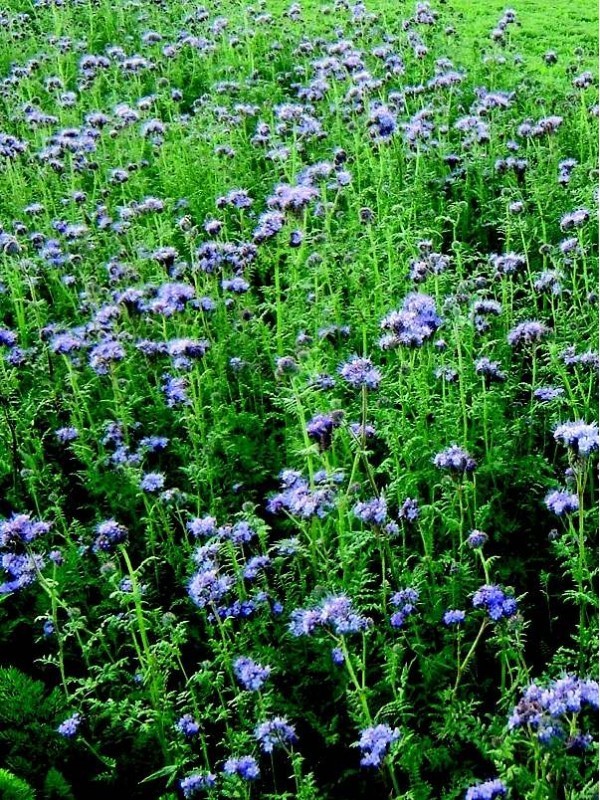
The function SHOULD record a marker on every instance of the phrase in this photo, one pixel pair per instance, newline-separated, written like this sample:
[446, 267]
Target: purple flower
[299, 499]
[108, 535]
[70, 726]
[582, 438]
[409, 510]
[8, 338]
[292, 198]
[333, 612]
[489, 790]
[181, 349]
[359, 431]
[455, 459]
[579, 743]
[276, 732]
[250, 675]
[490, 370]
[561, 502]
[404, 601]
[152, 444]
[583, 81]
[296, 238]
[175, 390]
[188, 726]
[485, 307]
[22, 570]
[508, 263]
[382, 122]
[208, 587]
[373, 512]
[192, 784]
[574, 219]
[241, 533]
[239, 198]
[103, 355]
[495, 601]
[286, 365]
[205, 526]
[65, 435]
[453, 617]
[171, 298]
[413, 325]
[546, 394]
[476, 539]
[255, 566]
[527, 333]
[588, 359]
[551, 712]
[237, 285]
[375, 743]
[269, 224]
[21, 529]
[321, 428]
[244, 766]
[361, 373]
[152, 482]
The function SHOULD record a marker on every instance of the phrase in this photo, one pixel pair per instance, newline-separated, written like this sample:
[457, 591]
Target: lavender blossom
[561, 502]
[489, 790]
[495, 601]
[250, 675]
[455, 459]
[276, 732]
[375, 743]
[244, 767]
[360, 373]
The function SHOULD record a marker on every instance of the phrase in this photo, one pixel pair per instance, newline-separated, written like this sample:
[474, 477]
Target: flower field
[298, 404]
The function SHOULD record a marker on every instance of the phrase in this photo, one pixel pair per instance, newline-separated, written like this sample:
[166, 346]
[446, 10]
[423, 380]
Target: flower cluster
[455, 459]
[276, 732]
[244, 767]
[250, 675]
[405, 601]
[21, 565]
[360, 373]
[299, 499]
[488, 790]
[334, 612]
[562, 502]
[495, 601]
[580, 437]
[374, 744]
[551, 712]
[413, 325]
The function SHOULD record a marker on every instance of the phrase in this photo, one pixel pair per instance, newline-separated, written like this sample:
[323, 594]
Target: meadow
[298, 400]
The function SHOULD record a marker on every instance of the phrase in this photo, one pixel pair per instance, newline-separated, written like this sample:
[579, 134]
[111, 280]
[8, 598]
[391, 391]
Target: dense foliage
[298, 401]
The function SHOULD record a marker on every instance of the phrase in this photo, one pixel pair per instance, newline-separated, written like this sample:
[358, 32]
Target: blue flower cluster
[488, 790]
[455, 459]
[561, 502]
[375, 743]
[495, 601]
[580, 437]
[551, 712]
[300, 500]
[405, 601]
[413, 325]
[275, 732]
[250, 675]
[22, 566]
[334, 612]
